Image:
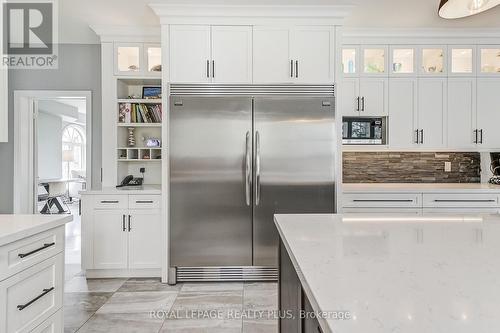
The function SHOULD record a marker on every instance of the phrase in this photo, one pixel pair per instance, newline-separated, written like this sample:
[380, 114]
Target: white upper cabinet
[488, 60]
[431, 111]
[432, 60]
[402, 61]
[350, 102]
[374, 60]
[272, 62]
[461, 112]
[137, 59]
[312, 48]
[190, 54]
[461, 60]
[403, 110]
[293, 55]
[374, 95]
[488, 113]
[232, 54]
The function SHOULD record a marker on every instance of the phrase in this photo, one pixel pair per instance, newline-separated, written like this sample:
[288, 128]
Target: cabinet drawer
[32, 296]
[52, 325]
[381, 200]
[24, 253]
[144, 201]
[461, 200]
[110, 201]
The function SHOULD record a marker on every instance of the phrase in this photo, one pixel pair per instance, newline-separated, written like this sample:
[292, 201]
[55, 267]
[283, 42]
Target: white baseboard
[122, 273]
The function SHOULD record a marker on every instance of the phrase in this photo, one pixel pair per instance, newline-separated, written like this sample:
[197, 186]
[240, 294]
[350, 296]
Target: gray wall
[79, 69]
[49, 146]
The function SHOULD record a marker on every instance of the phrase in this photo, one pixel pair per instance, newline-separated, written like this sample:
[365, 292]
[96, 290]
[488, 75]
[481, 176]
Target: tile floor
[125, 305]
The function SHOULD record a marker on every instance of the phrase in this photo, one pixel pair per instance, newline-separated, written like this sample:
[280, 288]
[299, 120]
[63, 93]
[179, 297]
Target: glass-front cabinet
[461, 60]
[136, 59]
[402, 61]
[374, 60]
[432, 60]
[489, 60]
[350, 56]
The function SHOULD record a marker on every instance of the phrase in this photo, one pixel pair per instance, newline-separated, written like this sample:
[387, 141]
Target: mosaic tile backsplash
[410, 167]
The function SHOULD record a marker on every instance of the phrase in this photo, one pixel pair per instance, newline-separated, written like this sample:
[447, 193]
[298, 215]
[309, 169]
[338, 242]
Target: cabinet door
[461, 113]
[431, 111]
[271, 55]
[189, 54]
[313, 50]
[232, 54]
[402, 112]
[129, 58]
[488, 112]
[109, 239]
[349, 102]
[144, 239]
[374, 95]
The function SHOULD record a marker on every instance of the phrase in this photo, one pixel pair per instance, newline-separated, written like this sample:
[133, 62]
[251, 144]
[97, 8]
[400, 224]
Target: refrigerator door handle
[248, 174]
[257, 168]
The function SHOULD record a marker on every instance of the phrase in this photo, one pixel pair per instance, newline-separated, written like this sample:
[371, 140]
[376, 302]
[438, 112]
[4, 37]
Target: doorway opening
[57, 136]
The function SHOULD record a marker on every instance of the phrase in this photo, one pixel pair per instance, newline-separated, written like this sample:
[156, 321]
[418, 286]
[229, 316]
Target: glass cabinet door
[433, 61]
[374, 60]
[153, 58]
[490, 61]
[349, 60]
[128, 58]
[403, 61]
[462, 60]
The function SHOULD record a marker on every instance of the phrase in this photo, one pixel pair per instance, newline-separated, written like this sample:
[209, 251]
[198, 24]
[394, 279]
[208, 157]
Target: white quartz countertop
[432, 274]
[146, 189]
[15, 227]
[412, 188]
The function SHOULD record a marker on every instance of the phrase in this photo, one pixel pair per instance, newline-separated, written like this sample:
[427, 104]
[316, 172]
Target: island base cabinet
[296, 312]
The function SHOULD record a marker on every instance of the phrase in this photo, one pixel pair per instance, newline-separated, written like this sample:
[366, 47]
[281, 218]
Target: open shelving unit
[145, 124]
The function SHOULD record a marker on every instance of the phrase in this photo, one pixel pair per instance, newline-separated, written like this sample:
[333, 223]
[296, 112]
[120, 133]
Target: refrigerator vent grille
[244, 273]
[326, 90]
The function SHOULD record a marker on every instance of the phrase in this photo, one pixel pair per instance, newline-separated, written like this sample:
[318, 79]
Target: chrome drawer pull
[46, 245]
[464, 200]
[144, 201]
[45, 292]
[109, 201]
[382, 200]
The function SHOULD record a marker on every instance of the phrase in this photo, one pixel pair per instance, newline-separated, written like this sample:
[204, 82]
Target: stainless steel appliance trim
[257, 168]
[325, 90]
[226, 273]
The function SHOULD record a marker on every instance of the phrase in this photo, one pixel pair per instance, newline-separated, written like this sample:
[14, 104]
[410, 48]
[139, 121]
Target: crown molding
[110, 33]
[421, 35]
[250, 14]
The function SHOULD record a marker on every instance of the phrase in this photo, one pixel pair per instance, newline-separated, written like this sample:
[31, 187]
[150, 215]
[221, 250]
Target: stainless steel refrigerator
[236, 159]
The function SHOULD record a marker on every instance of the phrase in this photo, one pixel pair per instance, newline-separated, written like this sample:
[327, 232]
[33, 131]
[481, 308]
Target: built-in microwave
[363, 131]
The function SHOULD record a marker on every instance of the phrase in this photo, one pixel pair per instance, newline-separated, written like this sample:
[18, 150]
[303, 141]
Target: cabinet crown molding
[251, 14]
[113, 33]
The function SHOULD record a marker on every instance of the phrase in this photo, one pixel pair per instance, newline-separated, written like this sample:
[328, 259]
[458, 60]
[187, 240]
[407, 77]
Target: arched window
[73, 147]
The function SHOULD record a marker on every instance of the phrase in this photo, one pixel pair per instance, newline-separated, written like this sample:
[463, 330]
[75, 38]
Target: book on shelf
[139, 113]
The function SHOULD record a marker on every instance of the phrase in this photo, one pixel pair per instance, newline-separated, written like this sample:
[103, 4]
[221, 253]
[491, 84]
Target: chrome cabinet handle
[291, 68]
[357, 103]
[363, 103]
[421, 136]
[144, 201]
[129, 224]
[109, 201]
[418, 136]
[45, 292]
[46, 245]
[296, 68]
[382, 200]
[208, 68]
[257, 168]
[248, 174]
[124, 228]
[475, 135]
[213, 68]
[481, 136]
[465, 200]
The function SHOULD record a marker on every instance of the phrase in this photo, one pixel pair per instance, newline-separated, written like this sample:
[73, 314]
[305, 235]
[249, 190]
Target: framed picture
[151, 92]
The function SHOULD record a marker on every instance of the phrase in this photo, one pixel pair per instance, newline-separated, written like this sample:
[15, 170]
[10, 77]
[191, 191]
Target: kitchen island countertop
[398, 273]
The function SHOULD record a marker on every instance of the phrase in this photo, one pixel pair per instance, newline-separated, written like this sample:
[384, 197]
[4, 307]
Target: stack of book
[139, 113]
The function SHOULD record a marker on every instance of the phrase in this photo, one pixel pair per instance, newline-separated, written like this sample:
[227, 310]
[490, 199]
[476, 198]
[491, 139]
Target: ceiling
[76, 15]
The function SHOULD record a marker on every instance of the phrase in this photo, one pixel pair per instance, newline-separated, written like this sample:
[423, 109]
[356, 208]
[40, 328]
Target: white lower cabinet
[123, 240]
